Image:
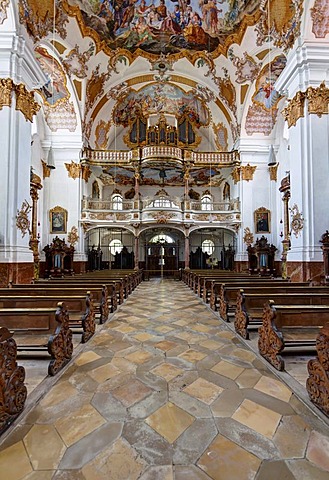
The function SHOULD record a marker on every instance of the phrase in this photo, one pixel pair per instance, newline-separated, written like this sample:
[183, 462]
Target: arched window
[162, 202]
[162, 238]
[117, 202]
[208, 246]
[227, 191]
[115, 246]
[206, 202]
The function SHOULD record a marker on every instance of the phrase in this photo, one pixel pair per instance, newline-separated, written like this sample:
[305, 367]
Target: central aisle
[165, 391]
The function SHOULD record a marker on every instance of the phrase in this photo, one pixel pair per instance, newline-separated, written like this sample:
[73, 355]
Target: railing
[161, 152]
[88, 204]
[228, 206]
[214, 158]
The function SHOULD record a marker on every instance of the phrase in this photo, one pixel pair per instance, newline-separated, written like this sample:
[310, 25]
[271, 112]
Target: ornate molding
[248, 237]
[25, 102]
[294, 109]
[274, 172]
[73, 236]
[22, 220]
[6, 88]
[85, 172]
[73, 169]
[297, 220]
[248, 172]
[318, 100]
[163, 217]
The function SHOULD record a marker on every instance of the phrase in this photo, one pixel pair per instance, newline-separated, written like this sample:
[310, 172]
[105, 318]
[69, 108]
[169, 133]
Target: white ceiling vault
[216, 61]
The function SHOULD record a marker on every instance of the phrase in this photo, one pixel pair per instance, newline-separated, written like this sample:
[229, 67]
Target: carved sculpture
[241, 317]
[25, 102]
[104, 308]
[60, 345]
[88, 320]
[223, 305]
[13, 392]
[294, 109]
[317, 384]
[270, 340]
[6, 88]
[22, 220]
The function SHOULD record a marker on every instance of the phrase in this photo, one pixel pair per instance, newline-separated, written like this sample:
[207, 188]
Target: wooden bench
[13, 391]
[317, 384]
[289, 326]
[39, 323]
[249, 306]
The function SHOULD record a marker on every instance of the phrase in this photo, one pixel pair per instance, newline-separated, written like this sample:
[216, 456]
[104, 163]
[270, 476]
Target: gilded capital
[6, 88]
[25, 102]
[295, 109]
[273, 172]
[85, 172]
[73, 169]
[318, 99]
[248, 172]
[236, 173]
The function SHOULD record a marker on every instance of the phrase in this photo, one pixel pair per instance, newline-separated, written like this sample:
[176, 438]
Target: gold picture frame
[262, 219]
[58, 220]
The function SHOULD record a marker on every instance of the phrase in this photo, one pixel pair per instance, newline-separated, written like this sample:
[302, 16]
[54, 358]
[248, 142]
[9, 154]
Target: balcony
[157, 210]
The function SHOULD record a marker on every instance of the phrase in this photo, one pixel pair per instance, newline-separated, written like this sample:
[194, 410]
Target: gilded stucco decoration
[220, 132]
[102, 134]
[320, 18]
[273, 169]
[247, 172]
[297, 220]
[106, 179]
[247, 68]
[295, 109]
[149, 30]
[45, 170]
[248, 237]
[162, 217]
[73, 169]
[116, 91]
[73, 236]
[95, 86]
[85, 172]
[318, 100]
[25, 102]
[236, 174]
[22, 218]
[173, 100]
[6, 89]
[3, 10]
[38, 17]
[280, 19]
[75, 62]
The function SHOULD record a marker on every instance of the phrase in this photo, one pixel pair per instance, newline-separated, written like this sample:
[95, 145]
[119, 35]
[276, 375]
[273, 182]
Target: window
[115, 246]
[208, 246]
[162, 239]
[206, 202]
[162, 202]
[117, 202]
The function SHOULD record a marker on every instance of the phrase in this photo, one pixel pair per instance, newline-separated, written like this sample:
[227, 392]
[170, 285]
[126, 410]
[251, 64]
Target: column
[187, 252]
[136, 253]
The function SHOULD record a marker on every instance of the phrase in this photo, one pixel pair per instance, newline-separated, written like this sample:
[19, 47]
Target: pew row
[13, 391]
[289, 326]
[50, 327]
[249, 306]
[317, 384]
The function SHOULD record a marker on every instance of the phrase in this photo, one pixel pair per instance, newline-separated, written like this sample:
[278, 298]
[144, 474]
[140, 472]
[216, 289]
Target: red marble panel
[306, 272]
[16, 273]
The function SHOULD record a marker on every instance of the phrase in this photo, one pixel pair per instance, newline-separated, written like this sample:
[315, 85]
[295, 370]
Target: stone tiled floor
[165, 391]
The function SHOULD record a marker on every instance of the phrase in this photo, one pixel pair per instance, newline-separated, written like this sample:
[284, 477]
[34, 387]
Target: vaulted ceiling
[218, 60]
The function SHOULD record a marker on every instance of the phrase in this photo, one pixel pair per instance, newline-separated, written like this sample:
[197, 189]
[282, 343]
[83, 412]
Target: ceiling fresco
[160, 98]
[164, 26]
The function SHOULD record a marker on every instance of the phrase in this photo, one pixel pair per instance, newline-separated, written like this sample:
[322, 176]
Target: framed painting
[262, 220]
[58, 220]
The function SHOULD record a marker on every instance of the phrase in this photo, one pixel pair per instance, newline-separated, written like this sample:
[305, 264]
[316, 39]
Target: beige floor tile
[40, 457]
[273, 387]
[78, 424]
[165, 345]
[143, 337]
[170, 421]
[139, 357]
[86, 357]
[131, 392]
[227, 369]
[318, 450]
[192, 356]
[15, 462]
[125, 329]
[164, 329]
[103, 373]
[211, 344]
[248, 378]
[257, 417]
[224, 460]
[203, 390]
[59, 393]
[167, 371]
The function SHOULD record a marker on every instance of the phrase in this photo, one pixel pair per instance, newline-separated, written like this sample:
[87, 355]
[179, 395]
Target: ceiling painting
[55, 90]
[162, 175]
[164, 26]
[121, 176]
[160, 98]
[265, 95]
[38, 17]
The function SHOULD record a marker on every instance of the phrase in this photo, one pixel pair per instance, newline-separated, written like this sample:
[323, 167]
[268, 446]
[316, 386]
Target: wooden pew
[317, 384]
[289, 326]
[42, 322]
[249, 306]
[13, 391]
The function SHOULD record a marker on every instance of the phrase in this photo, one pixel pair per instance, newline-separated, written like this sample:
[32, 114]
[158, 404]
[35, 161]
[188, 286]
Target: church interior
[164, 239]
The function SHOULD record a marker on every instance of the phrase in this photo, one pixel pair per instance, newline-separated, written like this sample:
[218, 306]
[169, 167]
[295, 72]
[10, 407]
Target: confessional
[261, 258]
[59, 258]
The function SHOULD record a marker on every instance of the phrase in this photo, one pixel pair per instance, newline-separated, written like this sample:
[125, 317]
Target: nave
[166, 391]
